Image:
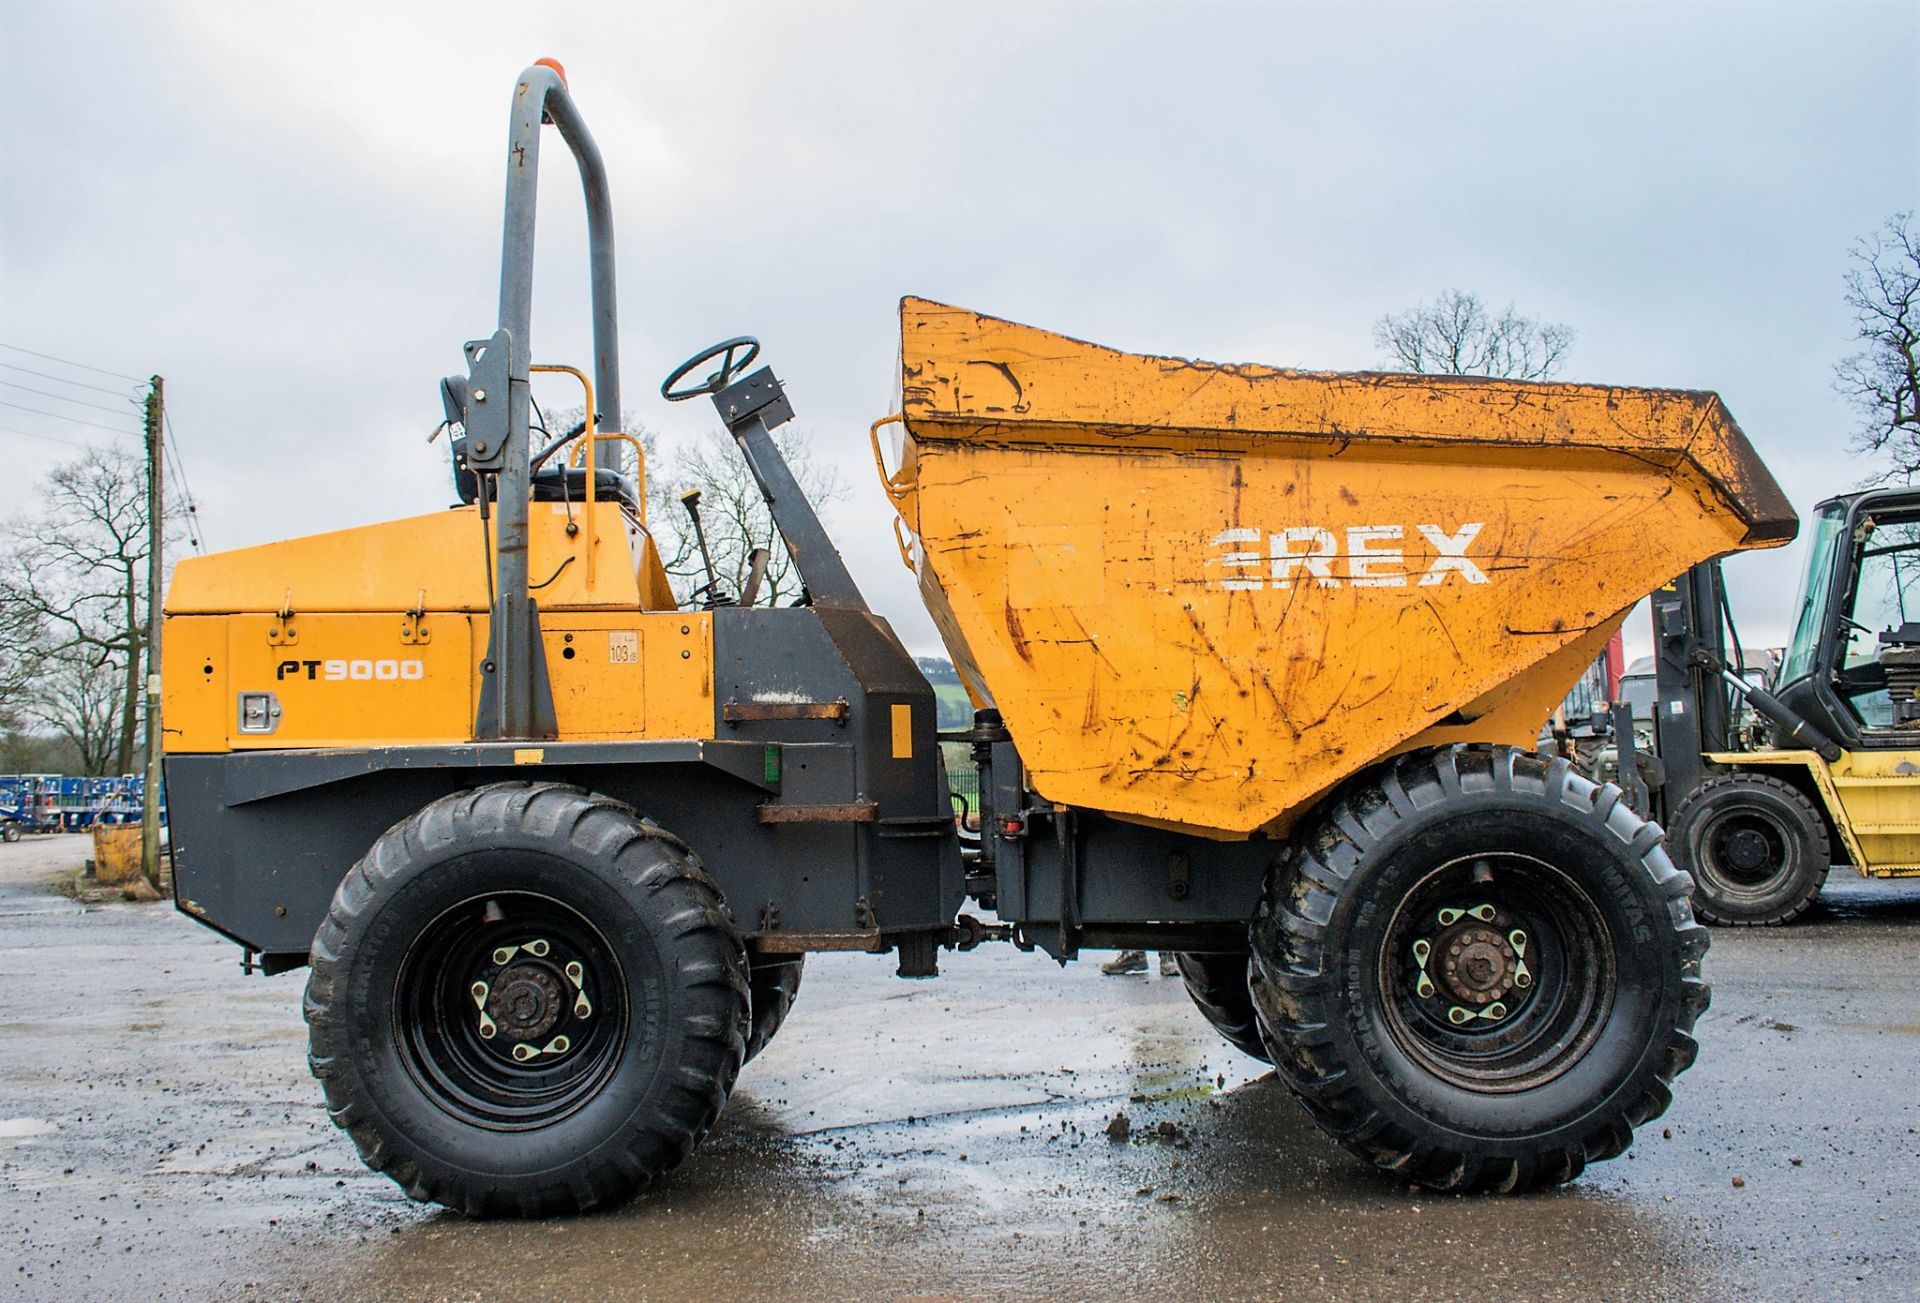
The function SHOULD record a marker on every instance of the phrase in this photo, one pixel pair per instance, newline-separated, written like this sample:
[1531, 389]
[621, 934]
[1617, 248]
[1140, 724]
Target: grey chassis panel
[907, 869]
[258, 853]
[1080, 877]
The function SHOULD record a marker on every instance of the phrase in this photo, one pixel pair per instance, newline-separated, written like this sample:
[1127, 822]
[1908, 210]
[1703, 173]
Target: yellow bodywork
[375, 635]
[1201, 595]
[1871, 796]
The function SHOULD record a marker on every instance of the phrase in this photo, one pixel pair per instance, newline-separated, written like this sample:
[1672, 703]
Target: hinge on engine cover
[281, 632]
[413, 627]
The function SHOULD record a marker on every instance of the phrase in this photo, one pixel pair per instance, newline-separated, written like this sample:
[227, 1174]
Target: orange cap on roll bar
[555, 65]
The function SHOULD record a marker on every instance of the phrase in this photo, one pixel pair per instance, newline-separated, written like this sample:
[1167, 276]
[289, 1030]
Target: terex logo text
[1374, 556]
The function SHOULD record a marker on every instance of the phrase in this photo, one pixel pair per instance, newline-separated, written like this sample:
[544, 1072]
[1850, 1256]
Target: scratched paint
[1202, 595]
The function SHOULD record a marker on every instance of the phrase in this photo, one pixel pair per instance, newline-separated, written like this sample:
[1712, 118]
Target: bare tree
[1457, 335]
[20, 651]
[79, 698]
[1882, 380]
[732, 512]
[77, 572]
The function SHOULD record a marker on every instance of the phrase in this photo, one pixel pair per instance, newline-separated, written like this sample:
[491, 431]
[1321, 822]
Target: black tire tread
[1294, 995]
[594, 826]
[1218, 986]
[772, 985]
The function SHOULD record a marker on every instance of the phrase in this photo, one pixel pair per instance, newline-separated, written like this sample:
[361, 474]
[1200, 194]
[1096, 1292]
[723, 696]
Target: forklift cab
[1852, 666]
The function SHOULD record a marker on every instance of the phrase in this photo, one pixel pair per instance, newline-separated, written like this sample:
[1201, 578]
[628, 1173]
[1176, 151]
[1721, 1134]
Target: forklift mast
[1691, 714]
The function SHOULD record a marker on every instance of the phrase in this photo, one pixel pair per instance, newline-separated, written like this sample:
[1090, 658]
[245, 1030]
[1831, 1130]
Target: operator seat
[551, 483]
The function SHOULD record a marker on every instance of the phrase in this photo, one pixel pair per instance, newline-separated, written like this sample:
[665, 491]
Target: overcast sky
[293, 211]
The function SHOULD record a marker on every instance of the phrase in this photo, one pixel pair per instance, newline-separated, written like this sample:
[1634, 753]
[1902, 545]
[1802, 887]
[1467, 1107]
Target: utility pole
[156, 532]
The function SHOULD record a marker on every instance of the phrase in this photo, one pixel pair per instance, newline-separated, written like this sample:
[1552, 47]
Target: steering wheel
[735, 355]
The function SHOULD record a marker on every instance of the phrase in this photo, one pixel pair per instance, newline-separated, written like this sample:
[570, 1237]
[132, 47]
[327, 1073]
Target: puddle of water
[20, 1128]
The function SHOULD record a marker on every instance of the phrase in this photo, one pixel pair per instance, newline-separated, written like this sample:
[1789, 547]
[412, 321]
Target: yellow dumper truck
[1256, 656]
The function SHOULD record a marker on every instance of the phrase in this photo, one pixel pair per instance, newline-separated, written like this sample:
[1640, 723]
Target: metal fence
[963, 779]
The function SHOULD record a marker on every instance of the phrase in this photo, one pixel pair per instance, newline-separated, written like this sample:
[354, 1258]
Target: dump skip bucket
[1201, 594]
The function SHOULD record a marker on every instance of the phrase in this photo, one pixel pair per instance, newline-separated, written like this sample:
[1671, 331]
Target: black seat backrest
[552, 483]
[549, 486]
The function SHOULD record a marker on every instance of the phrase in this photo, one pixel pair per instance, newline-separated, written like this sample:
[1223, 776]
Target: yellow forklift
[1839, 779]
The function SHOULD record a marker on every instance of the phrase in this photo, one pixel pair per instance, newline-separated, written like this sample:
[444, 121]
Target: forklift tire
[1218, 985]
[526, 1001]
[1477, 970]
[1756, 847]
[771, 986]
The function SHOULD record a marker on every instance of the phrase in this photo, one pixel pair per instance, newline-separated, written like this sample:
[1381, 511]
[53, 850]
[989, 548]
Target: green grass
[954, 709]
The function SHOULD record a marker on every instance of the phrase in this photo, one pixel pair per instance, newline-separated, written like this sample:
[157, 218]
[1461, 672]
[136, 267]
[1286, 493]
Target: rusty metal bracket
[800, 943]
[760, 712]
[852, 812]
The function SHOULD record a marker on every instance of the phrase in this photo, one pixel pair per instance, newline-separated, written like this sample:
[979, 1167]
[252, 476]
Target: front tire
[1756, 847]
[526, 1000]
[1478, 971]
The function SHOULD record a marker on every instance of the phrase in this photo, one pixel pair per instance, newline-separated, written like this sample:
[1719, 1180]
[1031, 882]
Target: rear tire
[772, 985]
[526, 1000]
[1756, 847]
[1218, 985]
[1573, 985]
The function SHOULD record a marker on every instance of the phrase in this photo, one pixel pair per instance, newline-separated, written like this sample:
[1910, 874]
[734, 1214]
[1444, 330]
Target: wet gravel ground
[160, 1139]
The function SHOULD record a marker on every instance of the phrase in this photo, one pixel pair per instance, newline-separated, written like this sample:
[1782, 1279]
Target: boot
[1127, 961]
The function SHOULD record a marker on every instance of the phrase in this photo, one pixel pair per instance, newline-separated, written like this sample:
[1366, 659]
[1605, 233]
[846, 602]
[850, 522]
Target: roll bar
[516, 700]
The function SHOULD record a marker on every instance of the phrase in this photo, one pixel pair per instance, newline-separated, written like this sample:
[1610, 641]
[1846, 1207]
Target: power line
[48, 393]
[78, 384]
[47, 438]
[48, 357]
[71, 420]
[179, 470]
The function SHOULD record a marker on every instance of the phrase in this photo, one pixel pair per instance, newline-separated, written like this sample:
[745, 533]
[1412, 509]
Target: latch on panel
[259, 712]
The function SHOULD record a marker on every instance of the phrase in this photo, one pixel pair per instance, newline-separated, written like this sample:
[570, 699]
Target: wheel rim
[510, 1011]
[1743, 852]
[1498, 972]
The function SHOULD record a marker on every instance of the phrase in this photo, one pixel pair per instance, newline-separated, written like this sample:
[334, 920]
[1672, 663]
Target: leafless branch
[1882, 379]
[1457, 335]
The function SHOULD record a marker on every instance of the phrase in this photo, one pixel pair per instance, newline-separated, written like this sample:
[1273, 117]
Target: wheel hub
[1746, 851]
[1478, 964]
[1475, 964]
[523, 994]
[525, 1002]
